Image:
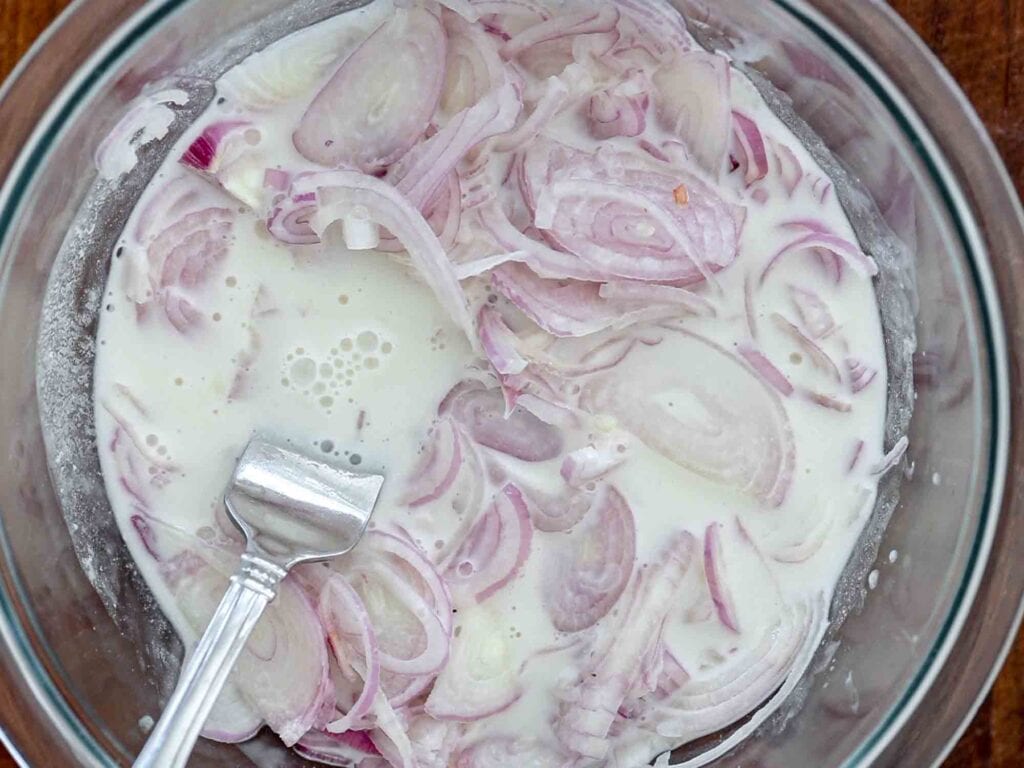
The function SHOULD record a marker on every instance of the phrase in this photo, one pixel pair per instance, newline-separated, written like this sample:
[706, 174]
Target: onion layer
[494, 551]
[587, 574]
[592, 706]
[692, 96]
[738, 435]
[380, 100]
[282, 674]
[482, 678]
[520, 434]
[618, 212]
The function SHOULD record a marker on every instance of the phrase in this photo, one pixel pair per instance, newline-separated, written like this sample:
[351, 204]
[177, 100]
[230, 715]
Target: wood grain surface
[982, 44]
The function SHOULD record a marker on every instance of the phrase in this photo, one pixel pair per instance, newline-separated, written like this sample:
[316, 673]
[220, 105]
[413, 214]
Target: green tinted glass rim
[12, 195]
[995, 346]
[145, 21]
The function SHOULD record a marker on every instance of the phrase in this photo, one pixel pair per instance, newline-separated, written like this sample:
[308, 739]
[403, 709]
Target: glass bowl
[931, 604]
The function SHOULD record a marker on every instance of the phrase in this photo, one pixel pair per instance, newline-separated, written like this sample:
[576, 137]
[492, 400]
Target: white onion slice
[407, 603]
[181, 241]
[545, 261]
[819, 357]
[555, 96]
[473, 67]
[660, 22]
[813, 235]
[766, 369]
[813, 311]
[232, 720]
[343, 615]
[595, 460]
[650, 293]
[861, 374]
[703, 706]
[619, 111]
[892, 458]
[274, 76]
[557, 514]
[425, 168]
[718, 579]
[599, 20]
[785, 165]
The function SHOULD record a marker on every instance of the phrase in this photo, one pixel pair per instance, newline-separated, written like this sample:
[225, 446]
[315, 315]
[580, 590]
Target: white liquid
[348, 355]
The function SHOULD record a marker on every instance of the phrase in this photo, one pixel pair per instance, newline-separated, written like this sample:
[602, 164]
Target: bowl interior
[81, 631]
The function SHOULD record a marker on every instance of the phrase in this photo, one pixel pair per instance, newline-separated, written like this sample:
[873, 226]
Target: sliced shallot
[618, 212]
[587, 573]
[718, 579]
[343, 614]
[592, 705]
[380, 100]
[482, 679]
[338, 192]
[495, 549]
[282, 676]
[342, 750]
[520, 434]
[692, 98]
[737, 434]
[750, 150]
[439, 465]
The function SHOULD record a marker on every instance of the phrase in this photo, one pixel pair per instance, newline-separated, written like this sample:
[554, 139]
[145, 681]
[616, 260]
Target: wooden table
[982, 43]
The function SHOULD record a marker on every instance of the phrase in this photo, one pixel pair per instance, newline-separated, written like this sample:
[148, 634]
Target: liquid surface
[221, 330]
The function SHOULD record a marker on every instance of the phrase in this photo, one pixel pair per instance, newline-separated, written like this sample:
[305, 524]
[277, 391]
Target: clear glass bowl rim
[47, 700]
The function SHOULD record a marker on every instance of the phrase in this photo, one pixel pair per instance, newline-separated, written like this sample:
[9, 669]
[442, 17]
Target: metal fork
[292, 509]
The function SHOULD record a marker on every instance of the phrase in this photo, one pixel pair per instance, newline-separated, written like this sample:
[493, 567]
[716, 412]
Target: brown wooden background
[982, 43]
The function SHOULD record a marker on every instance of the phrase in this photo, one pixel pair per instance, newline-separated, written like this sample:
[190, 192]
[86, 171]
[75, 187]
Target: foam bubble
[367, 341]
[303, 371]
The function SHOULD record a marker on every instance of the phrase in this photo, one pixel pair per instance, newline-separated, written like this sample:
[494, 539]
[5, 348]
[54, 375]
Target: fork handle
[252, 588]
